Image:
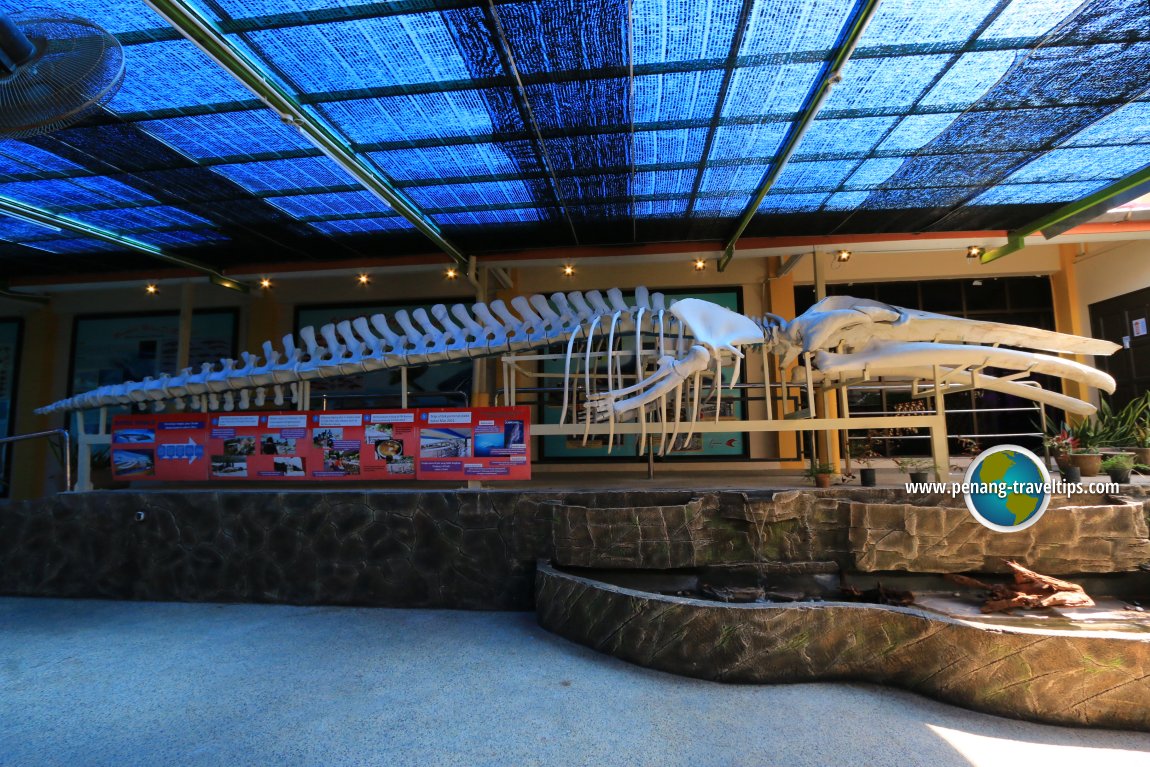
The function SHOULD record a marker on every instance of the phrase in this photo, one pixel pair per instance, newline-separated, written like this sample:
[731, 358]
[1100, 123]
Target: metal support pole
[184, 342]
[940, 453]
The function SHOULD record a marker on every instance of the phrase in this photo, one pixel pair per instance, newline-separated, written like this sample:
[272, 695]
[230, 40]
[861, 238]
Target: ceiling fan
[55, 70]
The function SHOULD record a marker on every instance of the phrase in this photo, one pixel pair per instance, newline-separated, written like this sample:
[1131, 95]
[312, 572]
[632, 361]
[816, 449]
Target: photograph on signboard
[488, 444]
[129, 436]
[136, 463]
[376, 432]
[388, 449]
[445, 443]
[346, 461]
[274, 444]
[229, 465]
[289, 466]
[240, 446]
[402, 464]
[513, 433]
[327, 436]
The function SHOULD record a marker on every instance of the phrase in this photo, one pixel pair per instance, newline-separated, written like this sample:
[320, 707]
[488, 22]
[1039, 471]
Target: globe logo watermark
[1007, 488]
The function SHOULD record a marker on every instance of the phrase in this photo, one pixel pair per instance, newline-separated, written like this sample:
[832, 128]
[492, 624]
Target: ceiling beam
[1016, 238]
[789, 264]
[523, 104]
[830, 75]
[208, 37]
[744, 21]
[25, 212]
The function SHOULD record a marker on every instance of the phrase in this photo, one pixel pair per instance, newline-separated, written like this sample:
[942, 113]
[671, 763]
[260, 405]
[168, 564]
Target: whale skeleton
[677, 350]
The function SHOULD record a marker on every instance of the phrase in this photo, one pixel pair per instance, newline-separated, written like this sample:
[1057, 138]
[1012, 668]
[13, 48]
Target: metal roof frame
[206, 36]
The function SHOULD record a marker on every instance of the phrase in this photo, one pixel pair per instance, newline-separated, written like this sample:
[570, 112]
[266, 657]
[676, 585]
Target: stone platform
[1076, 677]
[477, 549]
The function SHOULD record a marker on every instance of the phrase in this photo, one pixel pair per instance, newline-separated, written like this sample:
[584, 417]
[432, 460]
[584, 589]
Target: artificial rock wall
[477, 549]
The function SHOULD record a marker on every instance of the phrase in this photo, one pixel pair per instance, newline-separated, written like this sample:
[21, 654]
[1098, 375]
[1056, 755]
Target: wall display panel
[111, 349]
[707, 446]
[443, 384]
[10, 336]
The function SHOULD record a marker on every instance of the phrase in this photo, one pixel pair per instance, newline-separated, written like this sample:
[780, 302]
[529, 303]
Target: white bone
[595, 298]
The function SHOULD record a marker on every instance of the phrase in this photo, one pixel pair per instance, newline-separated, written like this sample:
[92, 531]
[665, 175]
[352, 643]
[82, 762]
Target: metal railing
[67, 439]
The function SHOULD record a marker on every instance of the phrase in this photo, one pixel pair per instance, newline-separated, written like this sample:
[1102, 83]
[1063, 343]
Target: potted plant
[863, 453]
[1061, 444]
[1141, 446]
[1118, 427]
[821, 473]
[1086, 456]
[1118, 466]
[917, 468]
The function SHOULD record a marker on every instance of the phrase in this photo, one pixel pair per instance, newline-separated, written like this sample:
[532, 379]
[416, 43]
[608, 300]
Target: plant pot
[1090, 464]
[822, 480]
[1062, 460]
[1119, 476]
[919, 476]
[1142, 455]
[1071, 474]
[867, 477]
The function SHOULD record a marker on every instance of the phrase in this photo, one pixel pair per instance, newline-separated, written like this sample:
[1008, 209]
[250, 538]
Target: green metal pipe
[1016, 238]
[207, 36]
[865, 11]
[35, 215]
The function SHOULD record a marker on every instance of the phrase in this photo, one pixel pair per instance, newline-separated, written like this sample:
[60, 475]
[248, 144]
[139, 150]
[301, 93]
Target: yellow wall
[1109, 269]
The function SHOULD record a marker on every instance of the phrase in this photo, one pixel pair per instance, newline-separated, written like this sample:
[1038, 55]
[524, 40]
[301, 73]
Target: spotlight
[363, 279]
[151, 289]
[842, 256]
[568, 270]
[700, 264]
[974, 251]
[265, 283]
[450, 273]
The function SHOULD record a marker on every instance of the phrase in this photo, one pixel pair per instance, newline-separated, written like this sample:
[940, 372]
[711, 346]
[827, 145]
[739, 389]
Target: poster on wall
[436, 385]
[474, 443]
[112, 349]
[701, 446]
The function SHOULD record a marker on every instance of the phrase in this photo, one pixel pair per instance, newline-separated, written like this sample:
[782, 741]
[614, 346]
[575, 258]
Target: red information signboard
[476, 443]
[169, 448]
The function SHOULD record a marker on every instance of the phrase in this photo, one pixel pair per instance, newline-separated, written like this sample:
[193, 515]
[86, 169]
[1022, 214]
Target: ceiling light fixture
[363, 279]
[450, 273]
[265, 283]
[842, 256]
[568, 270]
[151, 289]
[700, 264]
[975, 251]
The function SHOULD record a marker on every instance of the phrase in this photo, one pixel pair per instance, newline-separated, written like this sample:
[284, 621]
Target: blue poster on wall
[113, 349]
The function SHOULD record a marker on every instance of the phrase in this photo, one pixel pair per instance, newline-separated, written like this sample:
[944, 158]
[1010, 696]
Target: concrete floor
[115, 683]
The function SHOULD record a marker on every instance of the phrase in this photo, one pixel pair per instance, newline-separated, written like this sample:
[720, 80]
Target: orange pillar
[31, 459]
[1068, 317]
